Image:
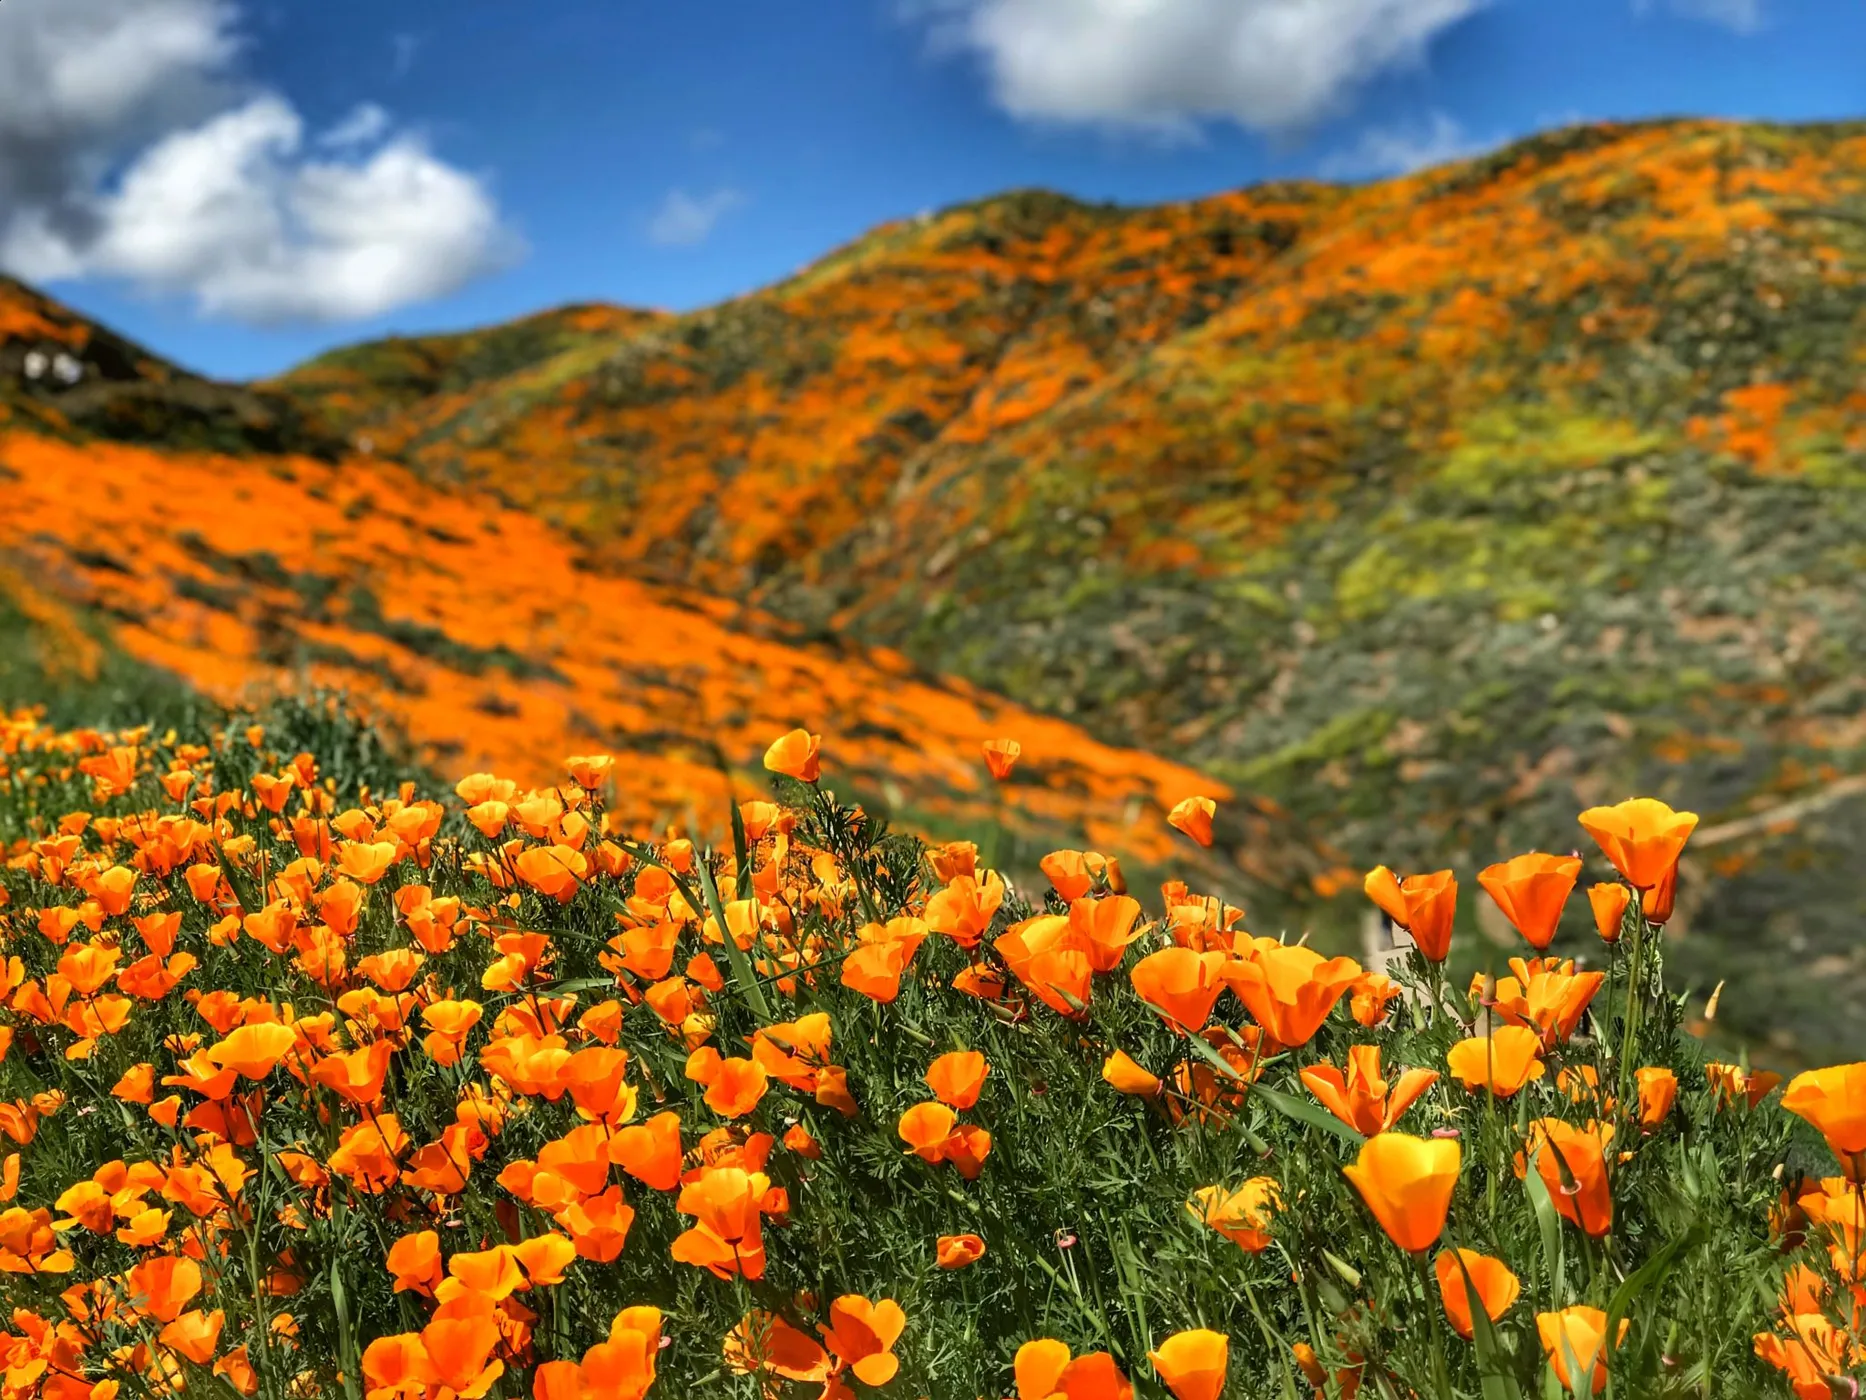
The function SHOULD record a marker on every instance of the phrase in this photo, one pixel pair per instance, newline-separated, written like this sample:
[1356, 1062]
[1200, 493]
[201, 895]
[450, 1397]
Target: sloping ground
[64, 375]
[1428, 509]
[723, 447]
[473, 631]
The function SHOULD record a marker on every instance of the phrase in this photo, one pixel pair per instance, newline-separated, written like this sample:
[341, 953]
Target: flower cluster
[317, 1091]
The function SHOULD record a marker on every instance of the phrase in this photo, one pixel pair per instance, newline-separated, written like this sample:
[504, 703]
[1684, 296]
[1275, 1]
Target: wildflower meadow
[319, 1084]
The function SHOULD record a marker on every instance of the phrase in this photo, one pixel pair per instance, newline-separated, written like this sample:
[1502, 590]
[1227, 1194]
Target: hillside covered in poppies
[1404, 518]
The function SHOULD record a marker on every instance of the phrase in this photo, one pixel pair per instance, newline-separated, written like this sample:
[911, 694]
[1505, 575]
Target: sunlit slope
[1428, 508]
[473, 631]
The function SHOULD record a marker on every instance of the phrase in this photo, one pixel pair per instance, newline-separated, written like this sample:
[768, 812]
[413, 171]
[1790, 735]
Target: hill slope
[1423, 510]
[1427, 508]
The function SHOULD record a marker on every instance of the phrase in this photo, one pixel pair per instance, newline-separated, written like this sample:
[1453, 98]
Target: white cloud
[127, 152]
[685, 219]
[1742, 16]
[366, 125]
[1400, 150]
[1167, 65]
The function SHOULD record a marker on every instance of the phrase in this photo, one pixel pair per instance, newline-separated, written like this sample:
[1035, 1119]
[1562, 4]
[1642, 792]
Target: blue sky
[433, 164]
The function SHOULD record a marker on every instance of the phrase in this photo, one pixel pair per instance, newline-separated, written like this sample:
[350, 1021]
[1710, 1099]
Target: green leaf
[741, 965]
[1305, 1112]
[1549, 1221]
[1647, 1275]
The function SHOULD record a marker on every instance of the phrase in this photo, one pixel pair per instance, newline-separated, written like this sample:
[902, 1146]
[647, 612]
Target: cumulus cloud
[1167, 65]
[686, 219]
[129, 151]
[1402, 149]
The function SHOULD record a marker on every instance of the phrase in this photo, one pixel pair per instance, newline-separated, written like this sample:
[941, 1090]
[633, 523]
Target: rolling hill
[1423, 512]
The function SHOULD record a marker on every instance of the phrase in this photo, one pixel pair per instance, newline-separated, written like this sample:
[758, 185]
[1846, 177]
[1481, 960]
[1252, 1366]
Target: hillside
[1421, 511]
[1427, 508]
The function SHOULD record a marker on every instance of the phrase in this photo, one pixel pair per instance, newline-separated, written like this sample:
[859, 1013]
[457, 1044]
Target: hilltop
[1419, 511]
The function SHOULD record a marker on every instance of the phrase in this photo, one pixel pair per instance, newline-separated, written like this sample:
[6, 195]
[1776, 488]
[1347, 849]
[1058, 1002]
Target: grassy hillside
[1427, 509]
[1421, 512]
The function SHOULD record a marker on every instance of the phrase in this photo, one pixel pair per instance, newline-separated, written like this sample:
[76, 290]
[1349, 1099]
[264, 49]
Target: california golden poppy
[1192, 1364]
[1193, 816]
[1574, 1341]
[1834, 1101]
[1407, 1183]
[1361, 1098]
[1242, 1216]
[796, 755]
[861, 1335]
[1658, 1088]
[1424, 905]
[1001, 756]
[1608, 899]
[1572, 1162]
[957, 1077]
[1121, 1070]
[1045, 1371]
[1532, 890]
[1290, 989]
[1180, 984]
[1496, 1287]
[958, 1251]
[1641, 836]
[1501, 1062]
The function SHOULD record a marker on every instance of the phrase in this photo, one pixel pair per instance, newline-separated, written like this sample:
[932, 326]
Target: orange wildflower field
[315, 1089]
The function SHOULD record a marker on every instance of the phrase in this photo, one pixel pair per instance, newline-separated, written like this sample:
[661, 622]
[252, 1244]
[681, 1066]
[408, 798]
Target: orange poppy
[1192, 1364]
[1641, 836]
[957, 1077]
[357, 1075]
[1549, 998]
[1496, 1287]
[1658, 1089]
[1532, 890]
[1045, 1371]
[958, 1251]
[1658, 902]
[460, 1351]
[1573, 1165]
[1574, 1340]
[1193, 816]
[964, 909]
[1370, 995]
[650, 1152]
[1424, 905]
[1732, 1083]
[861, 1335]
[1407, 1183]
[1105, 928]
[1242, 1216]
[195, 1335]
[1181, 985]
[1609, 899]
[1834, 1101]
[1001, 756]
[1289, 989]
[796, 755]
[1128, 1077]
[415, 1263]
[727, 1238]
[161, 1287]
[1361, 1098]
[254, 1050]
[1501, 1062]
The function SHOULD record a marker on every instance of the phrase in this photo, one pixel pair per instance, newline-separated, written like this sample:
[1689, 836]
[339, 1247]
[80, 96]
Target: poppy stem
[1441, 1379]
